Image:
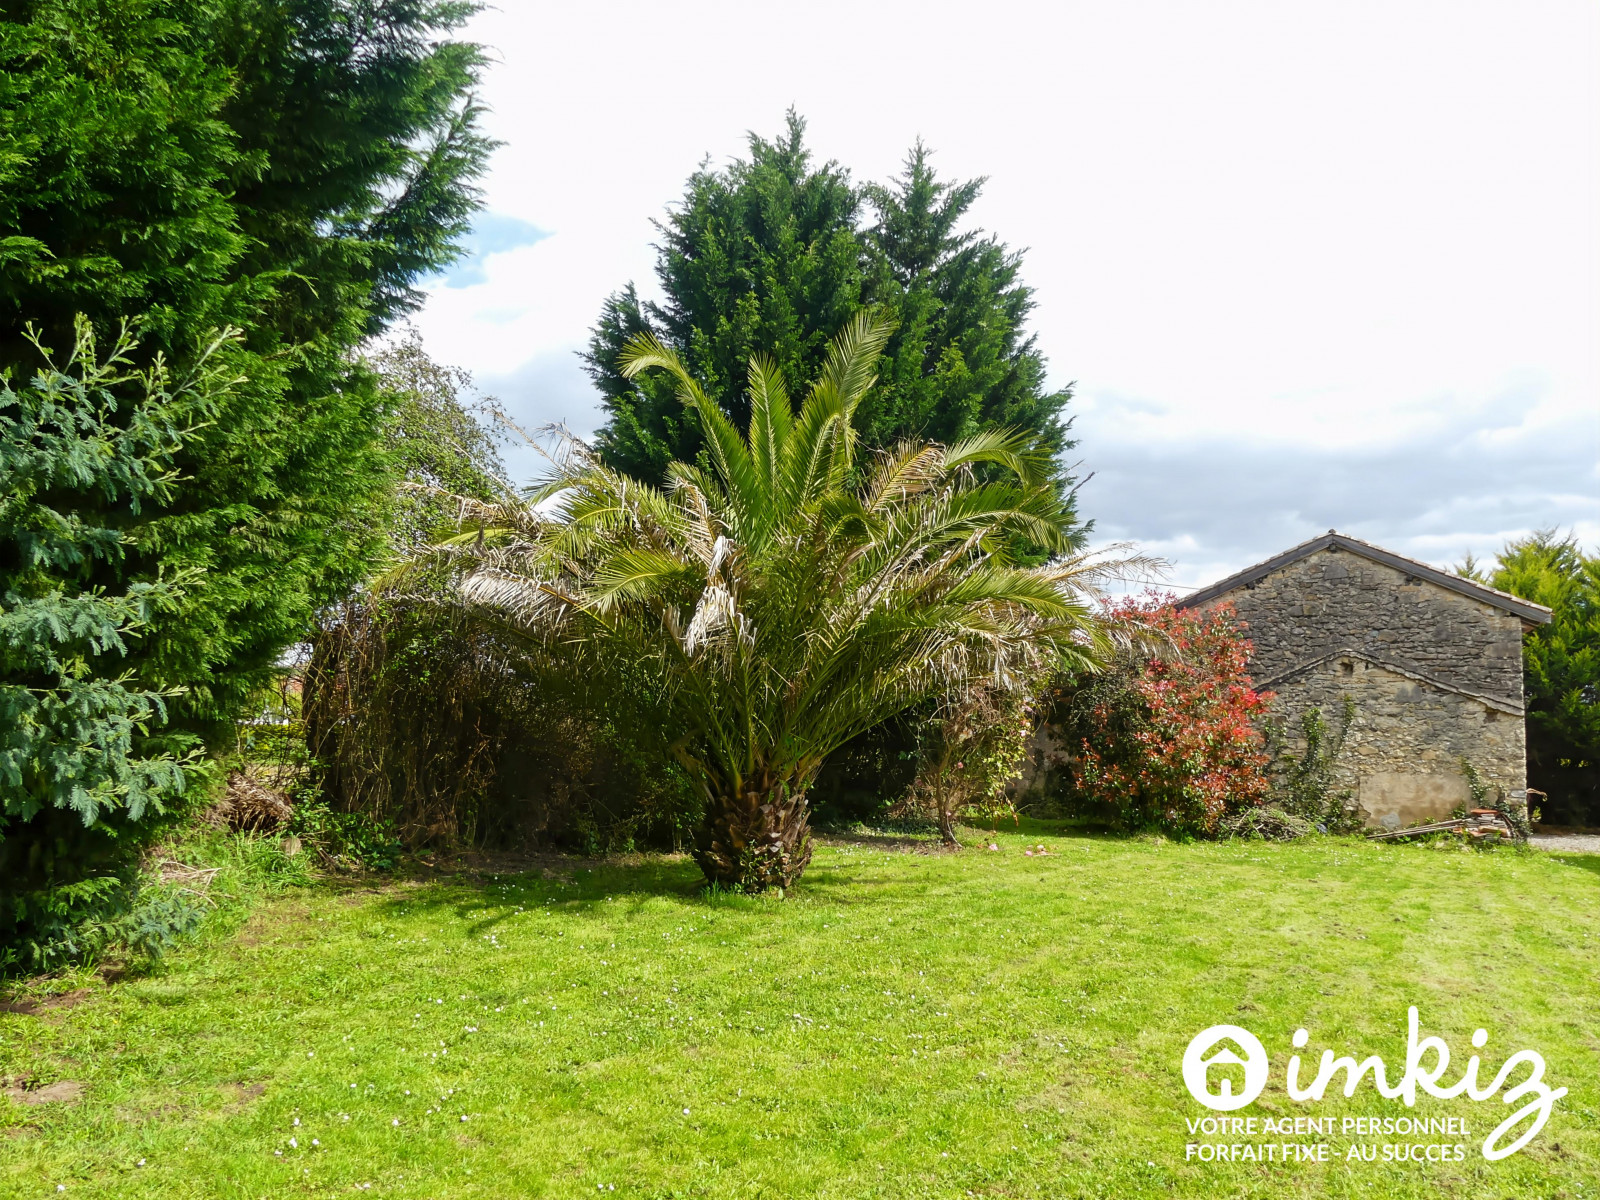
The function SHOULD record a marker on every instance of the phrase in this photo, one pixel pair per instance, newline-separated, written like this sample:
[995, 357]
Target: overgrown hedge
[418, 715]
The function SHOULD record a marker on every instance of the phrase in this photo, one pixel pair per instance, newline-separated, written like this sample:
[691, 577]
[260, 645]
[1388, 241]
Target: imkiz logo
[1199, 1063]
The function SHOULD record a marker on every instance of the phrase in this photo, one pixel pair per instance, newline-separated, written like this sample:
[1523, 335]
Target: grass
[902, 1025]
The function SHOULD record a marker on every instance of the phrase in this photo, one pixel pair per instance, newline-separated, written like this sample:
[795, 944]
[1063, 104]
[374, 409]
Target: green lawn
[982, 1023]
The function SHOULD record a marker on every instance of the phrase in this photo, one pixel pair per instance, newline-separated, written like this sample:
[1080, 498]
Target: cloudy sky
[1309, 265]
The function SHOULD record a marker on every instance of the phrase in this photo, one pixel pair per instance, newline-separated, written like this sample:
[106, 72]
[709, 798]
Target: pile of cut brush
[1480, 824]
[251, 805]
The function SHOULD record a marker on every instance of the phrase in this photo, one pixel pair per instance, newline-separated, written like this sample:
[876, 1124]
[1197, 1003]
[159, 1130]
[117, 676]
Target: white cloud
[1341, 238]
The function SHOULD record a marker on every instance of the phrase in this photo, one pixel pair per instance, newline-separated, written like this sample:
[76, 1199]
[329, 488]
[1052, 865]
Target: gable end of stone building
[1432, 662]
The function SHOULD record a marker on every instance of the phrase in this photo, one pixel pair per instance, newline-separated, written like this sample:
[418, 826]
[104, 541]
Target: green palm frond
[770, 420]
[639, 574]
[907, 470]
[1013, 449]
[730, 453]
[851, 366]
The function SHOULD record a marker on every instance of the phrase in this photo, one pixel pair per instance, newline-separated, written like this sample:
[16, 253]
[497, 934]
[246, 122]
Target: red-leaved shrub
[1165, 737]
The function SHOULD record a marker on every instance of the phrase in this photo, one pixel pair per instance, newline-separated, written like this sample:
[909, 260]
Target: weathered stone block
[1394, 799]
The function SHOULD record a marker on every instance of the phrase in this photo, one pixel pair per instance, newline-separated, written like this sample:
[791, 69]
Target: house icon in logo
[1226, 1058]
[1197, 1067]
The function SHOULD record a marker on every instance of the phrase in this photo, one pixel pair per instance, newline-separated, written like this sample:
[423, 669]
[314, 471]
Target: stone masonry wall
[1334, 599]
[1336, 624]
[1402, 756]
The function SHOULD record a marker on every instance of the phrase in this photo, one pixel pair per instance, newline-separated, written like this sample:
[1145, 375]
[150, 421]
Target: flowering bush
[1165, 737]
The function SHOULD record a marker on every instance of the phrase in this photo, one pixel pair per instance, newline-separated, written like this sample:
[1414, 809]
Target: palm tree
[783, 598]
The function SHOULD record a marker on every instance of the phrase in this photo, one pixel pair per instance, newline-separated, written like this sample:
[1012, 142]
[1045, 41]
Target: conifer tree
[960, 359]
[87, 453]
[286, 167]
[1561, 668]
[765, 257]
[774, 254]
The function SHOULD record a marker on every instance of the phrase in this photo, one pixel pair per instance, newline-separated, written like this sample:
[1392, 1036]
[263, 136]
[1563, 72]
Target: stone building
[1433, 663]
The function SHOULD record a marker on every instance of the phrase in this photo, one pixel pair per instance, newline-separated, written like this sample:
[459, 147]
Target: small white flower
[279, 1153]
[297, 1120]
[293, 1145]
[463, 1116]
[311, 1053]
[141, 1162]
[314, 1142]
[396, 1121]
[686, 1112]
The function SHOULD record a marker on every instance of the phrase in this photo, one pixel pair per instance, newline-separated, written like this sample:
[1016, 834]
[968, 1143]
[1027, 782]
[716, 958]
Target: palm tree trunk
[755, 837]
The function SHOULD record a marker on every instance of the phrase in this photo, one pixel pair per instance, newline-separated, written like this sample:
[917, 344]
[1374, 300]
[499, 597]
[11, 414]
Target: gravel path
[1567, 843]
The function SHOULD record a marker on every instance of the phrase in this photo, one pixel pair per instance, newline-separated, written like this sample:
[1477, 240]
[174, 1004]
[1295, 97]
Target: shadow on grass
[1584, 862]
[911, 843]
[488, 893]
[484, 901]
[924, 836]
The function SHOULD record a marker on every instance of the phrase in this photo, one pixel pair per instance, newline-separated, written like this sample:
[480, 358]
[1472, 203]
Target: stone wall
[1335, 600]
[1435, 676]
[1402, 756]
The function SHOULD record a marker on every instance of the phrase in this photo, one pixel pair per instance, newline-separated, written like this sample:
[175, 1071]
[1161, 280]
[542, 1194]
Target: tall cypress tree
[765, 256]
[286, 168]
[961, 359]
[775, 252]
